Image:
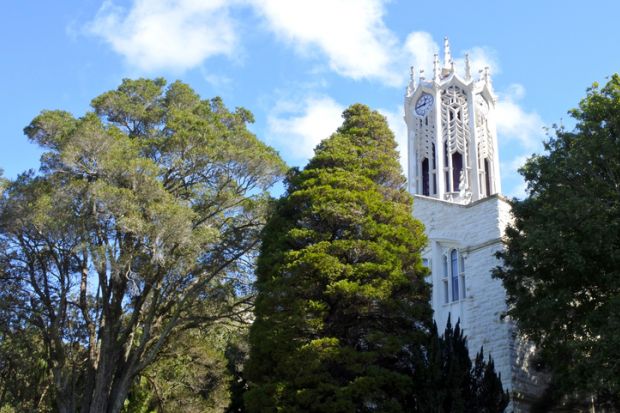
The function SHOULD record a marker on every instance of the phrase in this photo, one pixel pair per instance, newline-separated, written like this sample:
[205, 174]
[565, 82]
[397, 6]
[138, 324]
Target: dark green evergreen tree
[343, 310]
[454, 384]
[562, 262]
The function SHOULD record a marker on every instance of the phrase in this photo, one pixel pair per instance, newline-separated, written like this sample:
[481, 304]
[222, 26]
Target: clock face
[424, 104]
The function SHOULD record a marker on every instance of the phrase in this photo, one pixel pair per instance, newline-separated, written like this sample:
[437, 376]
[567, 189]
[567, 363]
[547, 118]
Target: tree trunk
[104, 374]
[89, 384]
[119, 393]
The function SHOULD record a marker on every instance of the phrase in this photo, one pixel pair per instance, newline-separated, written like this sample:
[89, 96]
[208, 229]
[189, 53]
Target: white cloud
[180, 34]
[509, 172]
[419, 50]
[295, 128]
[479, 59]
[520, 133]
[513, 122]
[398, 126]
[215, 80]
[167, 34]
[351, 33]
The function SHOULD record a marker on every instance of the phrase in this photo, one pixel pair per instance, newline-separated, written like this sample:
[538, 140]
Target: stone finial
[436, 67]
[411, 85]
[467, 67]
[447, 57]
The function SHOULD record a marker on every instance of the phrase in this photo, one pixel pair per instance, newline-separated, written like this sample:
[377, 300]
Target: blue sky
[296, 64]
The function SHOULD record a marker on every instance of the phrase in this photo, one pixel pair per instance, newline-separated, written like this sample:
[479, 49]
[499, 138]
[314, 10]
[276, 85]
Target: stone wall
[475, 230]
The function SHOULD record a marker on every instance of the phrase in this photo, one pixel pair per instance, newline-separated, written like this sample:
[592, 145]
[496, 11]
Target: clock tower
[453, 174]
[452, 138]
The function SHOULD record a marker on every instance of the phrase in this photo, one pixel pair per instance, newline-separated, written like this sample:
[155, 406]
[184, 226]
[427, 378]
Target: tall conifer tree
[456, 385]
[343, 310]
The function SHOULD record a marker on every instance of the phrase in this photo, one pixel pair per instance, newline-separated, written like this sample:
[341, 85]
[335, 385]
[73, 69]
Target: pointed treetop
[447, 57]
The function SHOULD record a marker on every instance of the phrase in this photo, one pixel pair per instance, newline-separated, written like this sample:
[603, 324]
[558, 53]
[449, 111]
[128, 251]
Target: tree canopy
[562, 261]
[142, 222]
[343, 309]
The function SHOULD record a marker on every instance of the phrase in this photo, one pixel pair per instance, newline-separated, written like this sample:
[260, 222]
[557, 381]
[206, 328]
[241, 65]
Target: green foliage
[236, 353]
[561, 263]
[455, 385]
[343, 309]
[143, 222]
[190, 375]
[24, 373]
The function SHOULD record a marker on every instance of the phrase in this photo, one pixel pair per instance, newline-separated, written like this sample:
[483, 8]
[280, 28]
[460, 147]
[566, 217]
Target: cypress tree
[454, 384]
[342, 312]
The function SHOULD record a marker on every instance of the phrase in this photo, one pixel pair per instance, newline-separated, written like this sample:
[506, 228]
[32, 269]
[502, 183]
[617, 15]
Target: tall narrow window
[425, 188]
[446, 291]
[433, 171]
[446, 167]
[454, 261]
[487, 176]
[462, 275]
[457, 167]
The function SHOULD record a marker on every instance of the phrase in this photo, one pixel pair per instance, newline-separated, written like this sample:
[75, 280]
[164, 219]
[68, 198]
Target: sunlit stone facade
[454, 176]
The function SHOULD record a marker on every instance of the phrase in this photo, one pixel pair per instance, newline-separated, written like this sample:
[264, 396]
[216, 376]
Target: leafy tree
[454, 384]
[237, 353]
[24, 374]
[562, 261]
[189, 375]
[142, 223]
[342, 310]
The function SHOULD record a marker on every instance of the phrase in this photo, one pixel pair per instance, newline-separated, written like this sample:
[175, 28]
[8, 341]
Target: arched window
[434, 170]
[457, 167]
[454, 261]
[487, 175]
[462, 275]
[446, 291]
[425, 187]
[445, 166]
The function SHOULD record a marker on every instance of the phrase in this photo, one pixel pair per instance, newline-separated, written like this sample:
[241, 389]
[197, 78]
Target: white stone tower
[454, 176]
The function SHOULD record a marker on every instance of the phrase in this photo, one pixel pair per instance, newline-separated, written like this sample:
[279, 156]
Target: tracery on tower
[452, 140]
[425, 131]
[455, 128]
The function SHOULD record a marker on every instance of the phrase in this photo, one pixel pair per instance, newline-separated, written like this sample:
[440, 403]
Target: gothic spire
[411, 86]
[487, 75]
[447, 57]
[467, 67]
